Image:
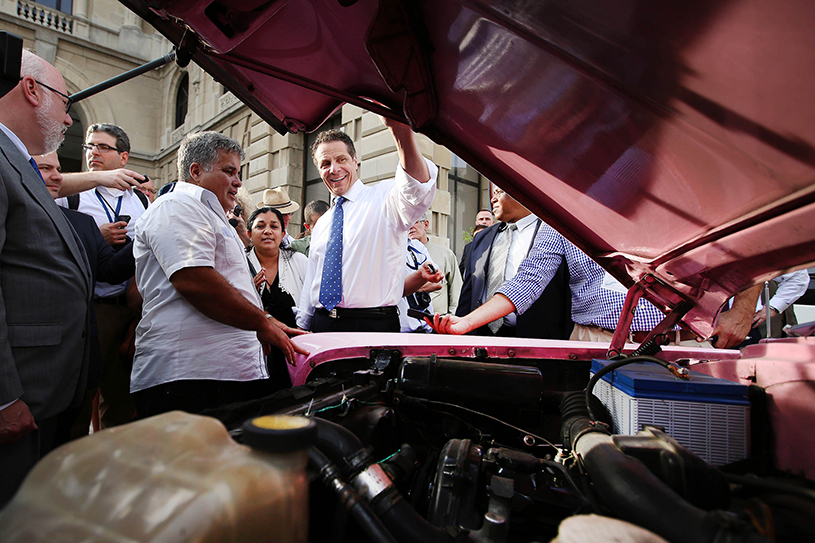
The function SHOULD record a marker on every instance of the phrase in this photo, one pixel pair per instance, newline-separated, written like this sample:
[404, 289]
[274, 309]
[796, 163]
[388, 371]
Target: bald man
[45, 279]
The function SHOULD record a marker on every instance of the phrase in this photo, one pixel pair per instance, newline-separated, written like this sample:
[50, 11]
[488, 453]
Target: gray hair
[122, 141]
[202, 148]
[33, 65]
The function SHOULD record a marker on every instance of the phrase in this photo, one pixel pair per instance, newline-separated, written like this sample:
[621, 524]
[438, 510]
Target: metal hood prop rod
[121, 78]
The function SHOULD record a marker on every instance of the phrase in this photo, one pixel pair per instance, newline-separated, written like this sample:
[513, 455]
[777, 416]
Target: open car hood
[674, 142]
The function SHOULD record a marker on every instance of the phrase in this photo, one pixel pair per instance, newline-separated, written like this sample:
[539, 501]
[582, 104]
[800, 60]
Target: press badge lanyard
[108, 206]
[413, 252]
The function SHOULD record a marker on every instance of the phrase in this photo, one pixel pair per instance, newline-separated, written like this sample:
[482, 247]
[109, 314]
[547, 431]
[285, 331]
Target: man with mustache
[45, 280]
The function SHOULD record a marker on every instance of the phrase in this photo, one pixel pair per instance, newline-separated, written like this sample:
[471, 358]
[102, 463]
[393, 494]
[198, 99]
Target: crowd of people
[117, 304]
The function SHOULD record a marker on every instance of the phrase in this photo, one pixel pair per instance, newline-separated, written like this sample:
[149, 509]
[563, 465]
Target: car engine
[427, 448]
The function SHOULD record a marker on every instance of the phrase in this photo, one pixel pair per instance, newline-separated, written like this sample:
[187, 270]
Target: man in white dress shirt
[107, 149]
[201, 340]
[373, 230]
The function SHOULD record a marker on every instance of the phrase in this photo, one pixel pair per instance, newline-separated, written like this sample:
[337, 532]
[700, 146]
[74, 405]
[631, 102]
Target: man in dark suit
[496, 253]
[45, 281]
[107, 265]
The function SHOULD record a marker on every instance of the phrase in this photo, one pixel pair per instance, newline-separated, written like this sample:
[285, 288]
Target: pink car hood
[674, 140]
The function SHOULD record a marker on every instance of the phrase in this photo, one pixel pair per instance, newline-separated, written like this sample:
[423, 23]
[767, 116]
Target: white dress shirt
[113, 202]
[174, 341]
[376, 219]
[791, 286]
[518, 249]
[521, 242]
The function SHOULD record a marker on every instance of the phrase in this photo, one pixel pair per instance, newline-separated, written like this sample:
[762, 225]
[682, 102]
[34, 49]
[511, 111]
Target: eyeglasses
[68, 100]
[101, 147]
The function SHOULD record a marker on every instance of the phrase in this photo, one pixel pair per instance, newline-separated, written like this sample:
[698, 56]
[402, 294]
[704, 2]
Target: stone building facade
[90, 41]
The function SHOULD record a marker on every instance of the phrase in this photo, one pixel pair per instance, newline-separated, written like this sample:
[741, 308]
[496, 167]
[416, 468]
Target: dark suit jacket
[45, 292]
[106, 263]
[548, 318]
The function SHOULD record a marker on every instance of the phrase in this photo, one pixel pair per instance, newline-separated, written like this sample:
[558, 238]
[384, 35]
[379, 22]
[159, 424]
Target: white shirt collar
[353, 193]
[525, 221]
[206, 197]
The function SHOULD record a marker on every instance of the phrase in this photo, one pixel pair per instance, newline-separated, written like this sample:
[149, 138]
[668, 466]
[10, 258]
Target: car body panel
[784, 369]
[328, 347]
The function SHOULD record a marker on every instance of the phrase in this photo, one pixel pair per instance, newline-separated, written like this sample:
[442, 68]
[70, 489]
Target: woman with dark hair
[279, 274]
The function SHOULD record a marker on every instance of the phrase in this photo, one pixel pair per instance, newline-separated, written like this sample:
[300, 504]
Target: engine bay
[432, 448]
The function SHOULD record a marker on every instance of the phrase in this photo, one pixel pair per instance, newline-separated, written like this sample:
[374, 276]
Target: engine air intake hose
[633, 493]
[343, 448]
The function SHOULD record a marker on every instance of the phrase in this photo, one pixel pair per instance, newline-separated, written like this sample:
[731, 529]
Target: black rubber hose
[340, 444]
[633, 493]
[410, 527]
[575, 418]
[336, 442]
[359, 510]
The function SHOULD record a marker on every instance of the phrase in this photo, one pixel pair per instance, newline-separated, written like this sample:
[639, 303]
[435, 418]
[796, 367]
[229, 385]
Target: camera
[120, 218]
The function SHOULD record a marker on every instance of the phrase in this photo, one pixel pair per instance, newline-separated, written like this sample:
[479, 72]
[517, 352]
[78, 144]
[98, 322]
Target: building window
[313, 186]
[65, 6]
[465, 202]
[181, 99]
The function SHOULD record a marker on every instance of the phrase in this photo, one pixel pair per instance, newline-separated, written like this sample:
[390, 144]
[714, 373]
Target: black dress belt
[369, 312]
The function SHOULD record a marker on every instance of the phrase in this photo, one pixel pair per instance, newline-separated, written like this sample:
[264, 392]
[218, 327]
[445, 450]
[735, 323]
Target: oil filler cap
[279, 433]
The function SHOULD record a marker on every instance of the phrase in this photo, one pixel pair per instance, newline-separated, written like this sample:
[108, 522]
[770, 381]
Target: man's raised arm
[410, 156]
[121, 178]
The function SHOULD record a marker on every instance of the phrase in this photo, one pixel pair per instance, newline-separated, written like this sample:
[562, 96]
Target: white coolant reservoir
[175, 477]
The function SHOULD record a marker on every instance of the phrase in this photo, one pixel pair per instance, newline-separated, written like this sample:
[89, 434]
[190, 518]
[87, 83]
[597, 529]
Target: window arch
[181, 100]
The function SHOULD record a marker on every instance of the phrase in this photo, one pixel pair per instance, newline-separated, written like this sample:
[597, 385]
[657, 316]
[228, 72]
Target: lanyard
[413, 252]
[108, 206]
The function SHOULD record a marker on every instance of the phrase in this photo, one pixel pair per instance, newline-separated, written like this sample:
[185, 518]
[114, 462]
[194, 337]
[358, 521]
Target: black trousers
[321, 322]
[17, 458]
[195, 396]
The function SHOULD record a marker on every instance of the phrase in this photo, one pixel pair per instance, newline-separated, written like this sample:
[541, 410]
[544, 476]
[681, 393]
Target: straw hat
[278, 199]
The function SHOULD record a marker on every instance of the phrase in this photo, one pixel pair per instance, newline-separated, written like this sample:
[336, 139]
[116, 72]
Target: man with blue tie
[356, 272]
[45, 281]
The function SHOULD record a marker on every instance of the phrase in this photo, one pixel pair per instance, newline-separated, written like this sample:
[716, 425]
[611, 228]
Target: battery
[707, 415]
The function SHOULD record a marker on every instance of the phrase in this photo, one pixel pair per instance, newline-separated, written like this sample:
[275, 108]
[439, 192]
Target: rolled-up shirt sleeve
[410, 198]
[791, 286]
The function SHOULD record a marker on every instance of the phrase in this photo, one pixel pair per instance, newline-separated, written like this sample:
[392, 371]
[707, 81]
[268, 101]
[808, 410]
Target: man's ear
[195, 173]
[31, 91]
[123, 156]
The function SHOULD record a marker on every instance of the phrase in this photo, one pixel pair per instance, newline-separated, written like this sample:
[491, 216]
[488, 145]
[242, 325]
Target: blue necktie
[36, 169]
[331, 283]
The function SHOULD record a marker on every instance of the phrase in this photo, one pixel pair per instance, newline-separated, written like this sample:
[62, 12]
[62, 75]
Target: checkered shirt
[592, 304]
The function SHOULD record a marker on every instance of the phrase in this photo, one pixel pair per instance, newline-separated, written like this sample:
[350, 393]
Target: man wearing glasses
[107, 149]
[45, 281]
